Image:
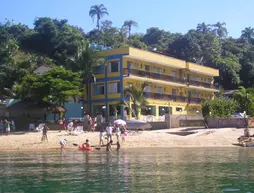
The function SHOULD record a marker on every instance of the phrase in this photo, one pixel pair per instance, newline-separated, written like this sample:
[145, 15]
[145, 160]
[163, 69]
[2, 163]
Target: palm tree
[98, 11]
[203, 28]
[245, 99]
[86, 60]
[248, 34]
[129, 24]
[121, 35]
[137, 98]
[220, 29]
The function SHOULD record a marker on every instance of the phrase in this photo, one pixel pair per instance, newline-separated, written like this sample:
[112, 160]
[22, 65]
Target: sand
[225, 137]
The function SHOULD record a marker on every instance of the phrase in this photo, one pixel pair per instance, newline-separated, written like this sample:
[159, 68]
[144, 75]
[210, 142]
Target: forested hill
[53, 41]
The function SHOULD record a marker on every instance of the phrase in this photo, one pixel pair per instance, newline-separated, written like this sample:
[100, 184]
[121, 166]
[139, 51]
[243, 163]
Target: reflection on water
[193, 170]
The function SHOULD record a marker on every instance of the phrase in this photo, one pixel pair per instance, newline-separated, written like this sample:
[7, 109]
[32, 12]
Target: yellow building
[176, 86]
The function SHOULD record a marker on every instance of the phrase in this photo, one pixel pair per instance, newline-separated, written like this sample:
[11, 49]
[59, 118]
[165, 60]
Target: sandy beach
[225, 137]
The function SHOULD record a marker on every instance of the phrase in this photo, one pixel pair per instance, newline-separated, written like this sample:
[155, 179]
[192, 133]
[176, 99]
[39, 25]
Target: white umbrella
[120, 122]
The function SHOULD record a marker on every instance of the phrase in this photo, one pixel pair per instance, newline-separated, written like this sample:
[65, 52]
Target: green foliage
[98, 11]
[56, 85]
[245, 100]
[219, 108]
[136, 95]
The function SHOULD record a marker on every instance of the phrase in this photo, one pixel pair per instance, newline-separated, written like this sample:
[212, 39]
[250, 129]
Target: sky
[170, 15]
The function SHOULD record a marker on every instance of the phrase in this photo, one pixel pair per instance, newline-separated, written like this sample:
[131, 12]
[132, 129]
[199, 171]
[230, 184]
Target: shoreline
[122, 148]
[168, 138]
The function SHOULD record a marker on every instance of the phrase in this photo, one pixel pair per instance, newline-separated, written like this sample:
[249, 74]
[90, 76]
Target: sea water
[176, 170]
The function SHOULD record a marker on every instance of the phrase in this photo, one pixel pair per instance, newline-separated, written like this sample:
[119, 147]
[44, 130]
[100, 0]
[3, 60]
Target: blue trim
[104, 101]
[106, 79]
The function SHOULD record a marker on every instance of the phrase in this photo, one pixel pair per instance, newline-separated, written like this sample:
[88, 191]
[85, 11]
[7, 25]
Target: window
[112, 110]
[174, 73]
[197, 78]
[159, 71]
[198, 94]
[113, 66]
[159, 90]
[163, 110]
[178, 109]
[113, 87]
[150, 110]
[147, 68]
[208, 80]
[129, 65]
[141, 66]
[98, 89]
[174, 91]
[129, 84]
[147, 89]
[165, 89]
[99, 69]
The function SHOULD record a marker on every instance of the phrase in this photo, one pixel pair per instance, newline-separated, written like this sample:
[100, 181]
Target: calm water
[156, 170]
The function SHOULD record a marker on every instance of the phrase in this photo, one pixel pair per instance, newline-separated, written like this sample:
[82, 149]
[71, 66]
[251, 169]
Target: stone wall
[159, 125]
[226, 122]
[191, 123]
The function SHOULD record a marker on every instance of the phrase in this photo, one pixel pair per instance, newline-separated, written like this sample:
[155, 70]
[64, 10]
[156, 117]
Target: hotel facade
[175, 86]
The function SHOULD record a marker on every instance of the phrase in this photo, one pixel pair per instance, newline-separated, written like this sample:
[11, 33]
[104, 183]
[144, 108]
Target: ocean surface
[173, 170]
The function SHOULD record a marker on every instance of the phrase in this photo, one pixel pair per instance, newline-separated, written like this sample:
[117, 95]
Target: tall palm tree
[220, 29]
[98, 11]
[248, 34]
[137, 98]
[86, 60]
[129, 24]
[203, 28]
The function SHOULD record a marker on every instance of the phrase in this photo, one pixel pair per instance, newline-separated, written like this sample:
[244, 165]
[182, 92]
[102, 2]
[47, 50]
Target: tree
[219, 108]
[248, 34]
[85, 61]
[203, 28]
[245, 100]
[220, 29]
[98, 12]
[56, 85]
[129, 24]
[136, 96]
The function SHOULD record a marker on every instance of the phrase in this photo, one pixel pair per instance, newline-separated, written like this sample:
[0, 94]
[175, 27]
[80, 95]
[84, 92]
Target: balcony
[152, 75]
[202, 84]
[174, 98]
[157, 76]
[157, 96]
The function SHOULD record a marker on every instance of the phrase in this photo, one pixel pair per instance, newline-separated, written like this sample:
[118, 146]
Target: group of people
[111, 130]
[7, 126]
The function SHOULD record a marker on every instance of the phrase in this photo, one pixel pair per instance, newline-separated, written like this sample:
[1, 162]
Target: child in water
[63, 142]
[108, 148]
[101, 137]
[86, 144]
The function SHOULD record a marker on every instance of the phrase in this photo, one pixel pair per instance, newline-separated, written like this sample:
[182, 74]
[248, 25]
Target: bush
[219, 108]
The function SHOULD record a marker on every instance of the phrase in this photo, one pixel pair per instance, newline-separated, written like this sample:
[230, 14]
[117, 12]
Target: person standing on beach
[109, 132]
[101, 137]
[7, 127]
[44, 133]
[13, 126]
[1, 127]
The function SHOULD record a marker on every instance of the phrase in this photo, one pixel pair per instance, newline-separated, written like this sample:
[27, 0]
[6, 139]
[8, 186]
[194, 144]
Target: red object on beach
[81, 148]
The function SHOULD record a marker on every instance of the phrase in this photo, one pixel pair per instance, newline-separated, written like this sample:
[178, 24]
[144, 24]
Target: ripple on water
[192, 170]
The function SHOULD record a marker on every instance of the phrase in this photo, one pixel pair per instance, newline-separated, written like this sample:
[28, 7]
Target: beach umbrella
[120, 122]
